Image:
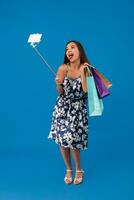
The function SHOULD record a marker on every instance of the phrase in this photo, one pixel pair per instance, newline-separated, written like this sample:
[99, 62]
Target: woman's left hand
[86, 64]
[83, 68]
[84, 74]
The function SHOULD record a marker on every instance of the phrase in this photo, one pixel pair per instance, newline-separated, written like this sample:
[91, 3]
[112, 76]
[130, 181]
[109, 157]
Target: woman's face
[72, 52]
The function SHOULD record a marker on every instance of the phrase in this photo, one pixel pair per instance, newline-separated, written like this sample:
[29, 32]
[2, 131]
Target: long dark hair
[83, 57]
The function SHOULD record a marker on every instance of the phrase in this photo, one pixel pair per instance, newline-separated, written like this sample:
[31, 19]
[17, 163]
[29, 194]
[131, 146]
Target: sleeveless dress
[69, 126]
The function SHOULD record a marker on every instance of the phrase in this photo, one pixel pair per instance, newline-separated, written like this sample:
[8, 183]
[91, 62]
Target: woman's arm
[84, 74]
[59, 78]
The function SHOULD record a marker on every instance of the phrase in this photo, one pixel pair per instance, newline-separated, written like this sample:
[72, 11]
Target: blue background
[30, 165]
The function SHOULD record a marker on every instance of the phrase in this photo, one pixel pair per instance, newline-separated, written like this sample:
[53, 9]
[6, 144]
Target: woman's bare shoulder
[62, 67]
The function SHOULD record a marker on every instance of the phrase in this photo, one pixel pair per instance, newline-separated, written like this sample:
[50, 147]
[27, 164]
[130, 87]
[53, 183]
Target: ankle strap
[68, 170]
[80, 170]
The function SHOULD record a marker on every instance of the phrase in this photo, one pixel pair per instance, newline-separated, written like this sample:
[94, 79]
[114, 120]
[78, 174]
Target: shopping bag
[101, 88]
[95, 104]
[106, 82]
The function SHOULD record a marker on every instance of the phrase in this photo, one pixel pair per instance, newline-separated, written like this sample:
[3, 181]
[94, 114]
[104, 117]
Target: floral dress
[70, 119]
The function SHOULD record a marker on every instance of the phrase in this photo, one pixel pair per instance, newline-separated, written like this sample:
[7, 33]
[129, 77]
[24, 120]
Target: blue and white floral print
[70, 119]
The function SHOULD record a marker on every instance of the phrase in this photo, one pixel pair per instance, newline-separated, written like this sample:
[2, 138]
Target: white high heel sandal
[68, 180]
[78, 180]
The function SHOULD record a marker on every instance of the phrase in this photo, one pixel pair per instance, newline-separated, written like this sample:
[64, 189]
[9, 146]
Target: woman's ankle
[69, 168]
[78, 168]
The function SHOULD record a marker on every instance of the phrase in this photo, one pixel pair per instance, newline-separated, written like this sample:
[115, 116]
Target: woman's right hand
[58, 80]
[59, 86]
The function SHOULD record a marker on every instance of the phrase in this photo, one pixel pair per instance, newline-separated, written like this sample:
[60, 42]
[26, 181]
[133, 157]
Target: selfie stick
[34, 40]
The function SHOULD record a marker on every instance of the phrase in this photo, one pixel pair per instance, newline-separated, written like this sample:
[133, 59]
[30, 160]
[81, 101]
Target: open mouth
[70, 56]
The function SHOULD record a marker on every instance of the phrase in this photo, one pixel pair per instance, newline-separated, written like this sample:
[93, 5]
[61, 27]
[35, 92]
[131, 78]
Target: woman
[69, 126]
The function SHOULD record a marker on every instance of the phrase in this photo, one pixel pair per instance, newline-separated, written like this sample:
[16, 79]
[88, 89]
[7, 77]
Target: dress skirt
[69, 126]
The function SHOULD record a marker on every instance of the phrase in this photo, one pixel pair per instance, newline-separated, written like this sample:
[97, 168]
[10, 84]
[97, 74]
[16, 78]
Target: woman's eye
[73, 47]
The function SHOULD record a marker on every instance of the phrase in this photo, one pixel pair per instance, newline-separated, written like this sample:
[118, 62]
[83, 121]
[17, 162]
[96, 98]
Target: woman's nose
[69, 50]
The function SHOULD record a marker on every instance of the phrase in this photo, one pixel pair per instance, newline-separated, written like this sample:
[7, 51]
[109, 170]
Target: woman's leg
[79, 172]
[66, 157]
[67, 160]
[76, 157]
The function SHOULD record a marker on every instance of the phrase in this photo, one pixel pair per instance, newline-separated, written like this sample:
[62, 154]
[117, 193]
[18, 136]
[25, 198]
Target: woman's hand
[83, 69]
[86, 64]
[84, 73]
[59, 85]
[58, 80]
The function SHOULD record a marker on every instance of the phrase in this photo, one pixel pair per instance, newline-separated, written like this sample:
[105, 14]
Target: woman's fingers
[84, 68]
[86, 64]
[58, 80]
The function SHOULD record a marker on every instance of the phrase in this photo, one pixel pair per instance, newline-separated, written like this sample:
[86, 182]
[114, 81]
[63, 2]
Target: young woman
[69, 126]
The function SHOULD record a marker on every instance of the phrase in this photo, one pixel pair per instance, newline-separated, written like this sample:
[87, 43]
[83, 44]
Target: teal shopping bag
[95, 104]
